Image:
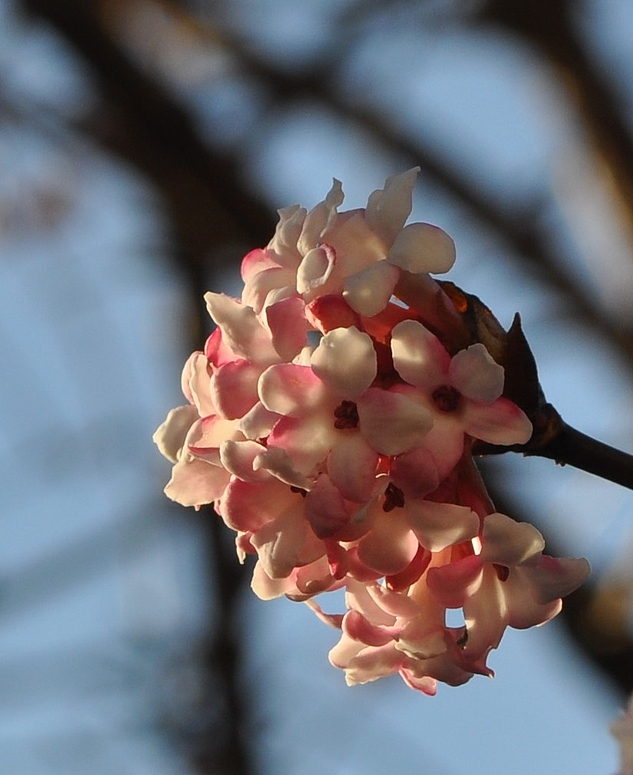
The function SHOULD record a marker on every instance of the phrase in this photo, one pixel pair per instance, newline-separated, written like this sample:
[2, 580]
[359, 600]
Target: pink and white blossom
[329, 422]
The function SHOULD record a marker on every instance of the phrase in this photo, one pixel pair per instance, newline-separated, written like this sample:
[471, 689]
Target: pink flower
[347, 463]
[356, 255]
[463, 393]
[508, 583]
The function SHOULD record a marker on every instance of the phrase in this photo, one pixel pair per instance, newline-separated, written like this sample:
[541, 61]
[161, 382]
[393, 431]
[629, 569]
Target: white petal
[419, 356]
[367, 292]
[422, 247]
[388, 208]
[439, 525]
[346, 361]
[508, 542]
[171, 435]
[320, 218]
[476, 374]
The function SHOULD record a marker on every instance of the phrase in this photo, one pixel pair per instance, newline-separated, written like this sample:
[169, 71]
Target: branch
[554, 439]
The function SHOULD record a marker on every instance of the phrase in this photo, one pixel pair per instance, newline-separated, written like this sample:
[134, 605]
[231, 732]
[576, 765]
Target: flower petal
[195, 482]
[422, 247]
[476, 375]
[452, 584]
[352, 467]
[390, 546]
[388, 208]
[556, 577]
[288, 326]
[392, 423]
[346, 361]
[320, 218]
[170, 435]
[509, 543]
[241, 329]
[325, 508]
[440, 525]
[419, 356]
[368, 291]
[291, 390]
[234, 388]
[499, 423]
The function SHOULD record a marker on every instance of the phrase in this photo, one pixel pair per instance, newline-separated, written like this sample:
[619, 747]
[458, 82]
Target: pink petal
[291, 390]
[476, 375]
[499, 423]
[390, 546]
[234, 388]
[325, 508]
[419, 356]
[368, 291]
[267, 588]
[280, 543]
[241, 329]
[357, 627]
[556, 577]
[486, 615]
[328, 312]
[288, 326]
[256, 261]
[345, 361]
[422, 247]
[352, 467]
[314, 275]
[392, 423]
[248, 506]
[451, 585]
[216, 350]
[284, 243]
[440, 525]
[423, 683]
[209, 433]
[372, 663]
[195, 482]
[307, 442]
[415, 472]
[279, 464]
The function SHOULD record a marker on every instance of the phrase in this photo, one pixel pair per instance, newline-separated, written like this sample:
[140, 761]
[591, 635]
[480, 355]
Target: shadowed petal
[392, 423]
[476, 375]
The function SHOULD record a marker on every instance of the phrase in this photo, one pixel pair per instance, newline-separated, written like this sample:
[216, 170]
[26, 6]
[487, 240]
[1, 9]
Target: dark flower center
[502, 571]
[394, 498]
[346, 414]
[446, 398]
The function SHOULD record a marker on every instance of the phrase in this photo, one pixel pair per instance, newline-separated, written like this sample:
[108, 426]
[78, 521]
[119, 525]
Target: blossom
[329, 421]
[356, 256]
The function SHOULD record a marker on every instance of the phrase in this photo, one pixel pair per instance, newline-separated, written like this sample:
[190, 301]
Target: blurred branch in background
[214, 217]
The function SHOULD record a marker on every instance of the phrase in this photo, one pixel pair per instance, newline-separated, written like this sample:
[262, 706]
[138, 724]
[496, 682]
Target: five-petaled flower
[347, 463]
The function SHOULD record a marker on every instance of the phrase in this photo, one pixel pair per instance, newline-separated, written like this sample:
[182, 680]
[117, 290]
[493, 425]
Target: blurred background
[144, 148]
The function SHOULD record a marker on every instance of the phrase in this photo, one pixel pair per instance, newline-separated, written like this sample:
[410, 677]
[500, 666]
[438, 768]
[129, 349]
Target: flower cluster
[330, 421]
